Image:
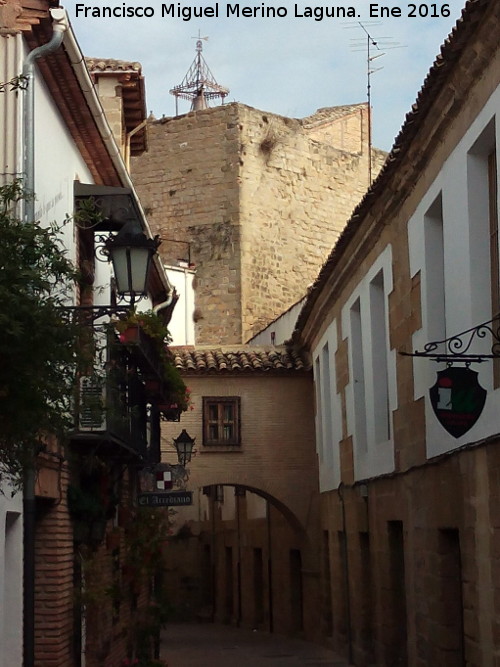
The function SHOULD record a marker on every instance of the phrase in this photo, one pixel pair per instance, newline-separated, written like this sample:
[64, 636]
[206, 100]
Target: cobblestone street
[209, 645]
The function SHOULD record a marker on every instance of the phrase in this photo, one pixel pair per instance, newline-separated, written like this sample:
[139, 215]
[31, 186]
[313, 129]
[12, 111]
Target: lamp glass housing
[131, 267]
[184, 445]
[130, 252]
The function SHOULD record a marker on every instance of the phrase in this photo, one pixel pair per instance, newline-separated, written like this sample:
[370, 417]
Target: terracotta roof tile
[112, 65]
[241, 359]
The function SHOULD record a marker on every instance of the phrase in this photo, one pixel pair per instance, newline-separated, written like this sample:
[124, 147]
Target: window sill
[234, 449]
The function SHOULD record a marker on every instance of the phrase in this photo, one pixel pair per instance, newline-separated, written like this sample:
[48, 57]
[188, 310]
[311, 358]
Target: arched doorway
[241, 557]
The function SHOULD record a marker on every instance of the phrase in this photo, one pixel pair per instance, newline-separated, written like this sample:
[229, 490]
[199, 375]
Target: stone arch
[292, 519]
[300, 529]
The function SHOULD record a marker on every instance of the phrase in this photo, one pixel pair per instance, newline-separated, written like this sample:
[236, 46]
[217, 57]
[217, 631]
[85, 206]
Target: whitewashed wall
[58, 164]
[182, 324]
[11, 579]
[282, 327]
[371, 394]
[328, 410]
[449, 245]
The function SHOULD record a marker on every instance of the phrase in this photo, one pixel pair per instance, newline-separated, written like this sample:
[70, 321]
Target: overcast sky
[291, 65]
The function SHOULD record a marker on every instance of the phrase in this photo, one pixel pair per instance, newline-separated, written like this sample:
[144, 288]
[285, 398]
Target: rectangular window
[379, 359]
[434, 270]
[482, 189]
[327, 406]
[358, 377]
[221, 420]
[319, 408]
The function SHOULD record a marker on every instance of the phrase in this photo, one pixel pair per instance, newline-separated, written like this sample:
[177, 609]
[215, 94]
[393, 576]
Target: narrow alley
[210, 645]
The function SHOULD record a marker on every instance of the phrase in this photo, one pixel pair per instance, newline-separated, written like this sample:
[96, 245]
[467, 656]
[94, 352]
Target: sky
[289, 65]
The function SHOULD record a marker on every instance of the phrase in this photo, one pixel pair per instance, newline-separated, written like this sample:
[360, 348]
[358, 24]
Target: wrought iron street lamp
[130, 252]
[184, 445]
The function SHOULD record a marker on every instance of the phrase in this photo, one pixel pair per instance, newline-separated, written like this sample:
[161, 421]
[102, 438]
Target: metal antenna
[368, 44]
[199, 84]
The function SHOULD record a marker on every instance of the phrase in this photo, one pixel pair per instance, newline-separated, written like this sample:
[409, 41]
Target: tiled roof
[111, 65]
[133, 95]
[451, 51]
[189, 359]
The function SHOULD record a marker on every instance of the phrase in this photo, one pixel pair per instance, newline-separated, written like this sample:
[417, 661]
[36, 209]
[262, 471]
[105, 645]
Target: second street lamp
[184, 445]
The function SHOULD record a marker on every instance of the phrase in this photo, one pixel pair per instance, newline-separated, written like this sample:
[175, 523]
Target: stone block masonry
[260, 199]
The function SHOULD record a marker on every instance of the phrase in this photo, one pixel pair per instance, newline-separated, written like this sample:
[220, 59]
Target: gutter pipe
[59, 26]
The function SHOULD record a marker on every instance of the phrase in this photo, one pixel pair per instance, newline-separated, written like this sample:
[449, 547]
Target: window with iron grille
[221, 420]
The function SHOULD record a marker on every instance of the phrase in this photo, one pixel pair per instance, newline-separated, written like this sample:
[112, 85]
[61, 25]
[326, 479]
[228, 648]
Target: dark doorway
[327, 586]
[258, 587]
[229, 585]
[397, 648]
[452, 609]
[297, 621]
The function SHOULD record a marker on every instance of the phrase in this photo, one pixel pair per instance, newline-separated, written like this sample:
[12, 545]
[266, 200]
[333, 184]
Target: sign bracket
[457, 348]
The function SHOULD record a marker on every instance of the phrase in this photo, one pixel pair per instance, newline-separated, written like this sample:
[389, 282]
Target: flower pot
[130, 335]
[170, 413]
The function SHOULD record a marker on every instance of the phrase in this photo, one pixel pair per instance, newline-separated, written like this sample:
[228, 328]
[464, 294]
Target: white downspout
[59, 26]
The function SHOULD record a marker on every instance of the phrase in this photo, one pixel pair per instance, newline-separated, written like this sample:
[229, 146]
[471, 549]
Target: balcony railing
[112, 413]
[111, 402]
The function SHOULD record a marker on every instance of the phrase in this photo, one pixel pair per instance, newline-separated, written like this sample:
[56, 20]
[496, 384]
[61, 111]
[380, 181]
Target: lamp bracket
[93, 313]
[457, 348]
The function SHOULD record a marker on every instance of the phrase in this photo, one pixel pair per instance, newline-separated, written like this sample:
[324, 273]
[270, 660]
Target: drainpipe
[59, 27]
[127, 142]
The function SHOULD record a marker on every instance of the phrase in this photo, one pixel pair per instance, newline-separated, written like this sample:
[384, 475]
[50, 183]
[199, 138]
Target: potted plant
[175, 396]
[148, 322]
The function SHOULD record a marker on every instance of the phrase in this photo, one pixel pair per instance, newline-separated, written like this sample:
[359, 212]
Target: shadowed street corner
[211, 645]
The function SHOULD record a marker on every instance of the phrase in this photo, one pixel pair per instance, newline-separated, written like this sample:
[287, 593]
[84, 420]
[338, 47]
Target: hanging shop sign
[174, 498]
[164, 481]
[457, 399]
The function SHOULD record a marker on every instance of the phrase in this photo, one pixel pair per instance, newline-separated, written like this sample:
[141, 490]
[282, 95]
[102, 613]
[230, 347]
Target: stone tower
[259, 200]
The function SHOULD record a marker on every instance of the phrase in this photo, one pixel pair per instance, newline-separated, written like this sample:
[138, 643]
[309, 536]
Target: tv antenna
[199, 84]
[375, 47]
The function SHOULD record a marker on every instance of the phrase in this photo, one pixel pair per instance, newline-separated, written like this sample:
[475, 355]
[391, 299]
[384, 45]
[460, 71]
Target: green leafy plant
[149, 322]
[144, 562]
[39, 351]
[152, 325]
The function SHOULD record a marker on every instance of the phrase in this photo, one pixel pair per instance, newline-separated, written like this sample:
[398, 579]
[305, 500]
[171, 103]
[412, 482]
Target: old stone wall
[420, 552]
[258, 202]
[188, 185]
[296, 195]
[110, 96]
